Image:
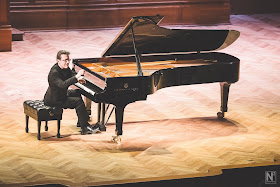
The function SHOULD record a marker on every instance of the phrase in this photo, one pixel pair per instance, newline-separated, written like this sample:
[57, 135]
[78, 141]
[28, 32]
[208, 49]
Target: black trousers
[74, 101]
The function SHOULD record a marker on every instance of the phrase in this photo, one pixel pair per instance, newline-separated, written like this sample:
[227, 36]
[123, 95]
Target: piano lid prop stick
[140, 73]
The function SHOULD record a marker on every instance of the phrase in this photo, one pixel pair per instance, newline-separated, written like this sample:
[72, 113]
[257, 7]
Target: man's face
[64, 61]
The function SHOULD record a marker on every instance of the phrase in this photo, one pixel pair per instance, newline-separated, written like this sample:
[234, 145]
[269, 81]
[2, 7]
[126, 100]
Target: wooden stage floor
[173, 134]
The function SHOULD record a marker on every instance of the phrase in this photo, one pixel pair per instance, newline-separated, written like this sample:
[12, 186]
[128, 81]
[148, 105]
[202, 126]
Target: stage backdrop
[87, 14]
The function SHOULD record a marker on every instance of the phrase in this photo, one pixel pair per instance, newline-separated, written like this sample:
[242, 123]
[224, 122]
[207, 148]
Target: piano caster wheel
[116, 139]
[46, 128]
[220, 115]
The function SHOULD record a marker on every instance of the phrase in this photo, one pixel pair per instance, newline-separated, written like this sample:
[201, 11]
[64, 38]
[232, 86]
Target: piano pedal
[102, 127]
[116, 139]
[220, 115]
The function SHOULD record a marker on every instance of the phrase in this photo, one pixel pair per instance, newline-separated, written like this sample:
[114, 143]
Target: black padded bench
[40, 112]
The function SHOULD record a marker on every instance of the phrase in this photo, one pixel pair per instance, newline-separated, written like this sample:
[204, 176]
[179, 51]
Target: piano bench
[40, 112]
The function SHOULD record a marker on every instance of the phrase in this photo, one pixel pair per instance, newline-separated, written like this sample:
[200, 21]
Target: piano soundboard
[130, 68]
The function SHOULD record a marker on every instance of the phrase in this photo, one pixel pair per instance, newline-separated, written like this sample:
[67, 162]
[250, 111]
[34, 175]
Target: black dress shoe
[94, 129]
[85, 131]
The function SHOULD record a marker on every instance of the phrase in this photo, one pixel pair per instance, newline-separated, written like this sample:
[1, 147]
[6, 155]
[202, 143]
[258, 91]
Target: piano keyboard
[79, 85]
[92, 78]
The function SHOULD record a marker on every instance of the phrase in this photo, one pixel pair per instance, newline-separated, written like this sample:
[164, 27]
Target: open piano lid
[153, 39]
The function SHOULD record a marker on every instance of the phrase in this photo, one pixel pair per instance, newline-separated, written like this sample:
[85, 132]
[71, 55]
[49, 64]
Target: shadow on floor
[262, 176]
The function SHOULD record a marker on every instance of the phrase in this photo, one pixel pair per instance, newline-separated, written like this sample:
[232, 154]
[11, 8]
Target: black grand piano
[145, 57]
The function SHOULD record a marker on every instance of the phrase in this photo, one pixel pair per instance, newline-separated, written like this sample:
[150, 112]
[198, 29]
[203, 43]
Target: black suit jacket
[59, 81]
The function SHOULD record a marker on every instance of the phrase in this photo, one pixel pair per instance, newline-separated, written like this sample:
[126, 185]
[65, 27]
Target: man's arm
[79, 75]
[54, 78]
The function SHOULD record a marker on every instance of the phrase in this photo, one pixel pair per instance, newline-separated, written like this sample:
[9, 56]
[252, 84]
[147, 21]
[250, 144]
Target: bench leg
[39, 130]
[26, 122]
[58, 129]
[46, 126]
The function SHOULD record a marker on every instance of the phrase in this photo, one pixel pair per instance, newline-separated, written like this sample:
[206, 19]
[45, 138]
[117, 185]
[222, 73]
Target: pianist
[60, 78]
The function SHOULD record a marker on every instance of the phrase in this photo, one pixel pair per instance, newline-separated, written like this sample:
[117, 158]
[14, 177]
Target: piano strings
[124, 69]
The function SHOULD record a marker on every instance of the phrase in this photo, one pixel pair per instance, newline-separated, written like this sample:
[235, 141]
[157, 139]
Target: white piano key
[85, 88]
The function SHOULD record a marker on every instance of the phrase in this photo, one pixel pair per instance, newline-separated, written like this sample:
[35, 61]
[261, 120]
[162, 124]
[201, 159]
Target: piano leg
[103, 112]
[88, 107]
[224, 99]
[98, 113]
[119, 111]
[101, 116]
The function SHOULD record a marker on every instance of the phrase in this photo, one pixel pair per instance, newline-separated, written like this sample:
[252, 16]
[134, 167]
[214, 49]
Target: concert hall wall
[88, 14]
[91, 14]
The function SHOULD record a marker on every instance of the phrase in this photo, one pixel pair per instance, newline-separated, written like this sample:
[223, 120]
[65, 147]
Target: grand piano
[145, 57]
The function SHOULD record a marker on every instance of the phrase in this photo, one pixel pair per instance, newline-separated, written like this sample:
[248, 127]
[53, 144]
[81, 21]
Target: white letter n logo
[270, 177]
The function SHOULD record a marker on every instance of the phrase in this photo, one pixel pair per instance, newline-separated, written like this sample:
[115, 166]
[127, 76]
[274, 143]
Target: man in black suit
[60, 78]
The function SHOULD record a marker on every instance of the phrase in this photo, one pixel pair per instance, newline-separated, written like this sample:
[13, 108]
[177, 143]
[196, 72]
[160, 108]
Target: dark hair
[62, 52]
